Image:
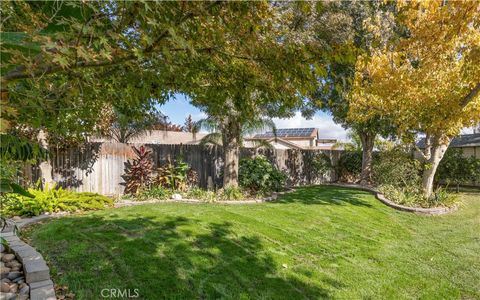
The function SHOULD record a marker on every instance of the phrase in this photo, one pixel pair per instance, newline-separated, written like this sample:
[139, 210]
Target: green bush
[201, 194]
[258, 175]
[349, 166]
[320, 165]
[154, 192]
[397, 168]
[456, 169]
[412, 196]
[51, 200]
[231, 193]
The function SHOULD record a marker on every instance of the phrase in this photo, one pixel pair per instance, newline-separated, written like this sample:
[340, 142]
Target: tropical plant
[177, 176]
[258, 175]
[138, 172]
[220, 133]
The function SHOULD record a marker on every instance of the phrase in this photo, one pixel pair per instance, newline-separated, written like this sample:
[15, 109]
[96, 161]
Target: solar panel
[288, 132]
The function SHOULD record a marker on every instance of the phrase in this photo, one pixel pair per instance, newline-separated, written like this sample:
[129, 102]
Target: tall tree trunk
[231, 153]
[368, 141]
[46, 168]
[434, 151]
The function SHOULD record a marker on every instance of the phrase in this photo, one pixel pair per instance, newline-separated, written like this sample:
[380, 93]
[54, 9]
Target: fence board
[99, 167]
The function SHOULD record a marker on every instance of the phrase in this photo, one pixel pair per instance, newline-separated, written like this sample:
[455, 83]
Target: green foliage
[397, 168]
[231, 193]
[154, 192]
[349, 166]
[13, 148]
[457, 169]
[321, 163]
[201, 194]
[412, 196]
[258, 175]
[52, 200]
[176, 176]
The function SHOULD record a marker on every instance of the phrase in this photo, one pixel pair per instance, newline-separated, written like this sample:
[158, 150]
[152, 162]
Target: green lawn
[318, 242]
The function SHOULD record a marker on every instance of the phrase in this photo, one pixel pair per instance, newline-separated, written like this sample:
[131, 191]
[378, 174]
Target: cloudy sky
[179, 108]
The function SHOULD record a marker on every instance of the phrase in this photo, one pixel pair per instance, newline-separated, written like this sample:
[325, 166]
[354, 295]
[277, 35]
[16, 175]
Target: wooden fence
[99, 167]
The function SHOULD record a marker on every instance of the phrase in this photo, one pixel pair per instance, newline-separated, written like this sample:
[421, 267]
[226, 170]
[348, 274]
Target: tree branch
[471, 95]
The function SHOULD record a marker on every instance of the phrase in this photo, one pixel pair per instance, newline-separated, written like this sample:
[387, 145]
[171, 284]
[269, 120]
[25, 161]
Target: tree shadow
[325, 195]
[177, 257]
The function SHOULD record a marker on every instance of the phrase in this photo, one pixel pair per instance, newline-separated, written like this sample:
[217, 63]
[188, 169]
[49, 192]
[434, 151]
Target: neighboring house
[469, 143]
[161, 137]
[293, 138]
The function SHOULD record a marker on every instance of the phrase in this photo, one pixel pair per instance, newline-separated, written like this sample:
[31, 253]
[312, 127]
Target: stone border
[384, 200]
[273, 197]
[35, 269]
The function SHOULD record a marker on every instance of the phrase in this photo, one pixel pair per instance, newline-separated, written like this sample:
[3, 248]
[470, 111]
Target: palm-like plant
[229, 132]
[248, 128]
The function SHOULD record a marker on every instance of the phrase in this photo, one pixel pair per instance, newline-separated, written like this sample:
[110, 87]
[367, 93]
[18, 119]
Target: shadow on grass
[175, 257]
[325, 195]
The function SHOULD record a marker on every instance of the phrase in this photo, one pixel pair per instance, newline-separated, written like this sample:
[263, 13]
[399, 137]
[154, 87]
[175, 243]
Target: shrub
[320, 164]
[52, 200]
[396, 167]
[138, 171]
[349, 166]
[201, 194]
[178, 176]
[154, 192]
[231, 193]
[257, 174]
[457, 169]
[412, 196]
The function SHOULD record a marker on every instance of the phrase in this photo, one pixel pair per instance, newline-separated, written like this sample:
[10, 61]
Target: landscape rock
[8, 257]
[13, 288]
[5, 280]
[177, 197]
[12, 264]
[24, 290]
[19, 280]
[5, 269]
[8, 296]
[2, 248]
[4, 287]
[13, 275]
[16, 218]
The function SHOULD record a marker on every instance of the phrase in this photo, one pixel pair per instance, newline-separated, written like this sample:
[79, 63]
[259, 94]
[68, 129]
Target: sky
[179, 108]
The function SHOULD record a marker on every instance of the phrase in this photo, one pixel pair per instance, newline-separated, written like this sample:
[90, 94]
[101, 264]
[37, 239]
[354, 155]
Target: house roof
[289, 133]
[161, 137]
[464, 140]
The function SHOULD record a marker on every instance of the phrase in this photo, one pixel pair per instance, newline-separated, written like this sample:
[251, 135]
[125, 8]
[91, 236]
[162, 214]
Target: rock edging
[272, 197]
[384, 200]
[37, 273]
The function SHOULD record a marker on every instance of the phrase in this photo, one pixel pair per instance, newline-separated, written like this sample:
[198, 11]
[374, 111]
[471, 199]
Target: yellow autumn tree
[428, 81]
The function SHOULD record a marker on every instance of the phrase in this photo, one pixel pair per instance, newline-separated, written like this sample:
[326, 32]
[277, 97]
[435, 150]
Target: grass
[318, 242]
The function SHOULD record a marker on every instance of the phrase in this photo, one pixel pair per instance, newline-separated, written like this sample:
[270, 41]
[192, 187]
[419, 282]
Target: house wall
[301, 142]
[467, 152]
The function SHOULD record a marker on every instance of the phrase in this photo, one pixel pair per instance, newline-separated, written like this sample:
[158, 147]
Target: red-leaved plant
[138, 172]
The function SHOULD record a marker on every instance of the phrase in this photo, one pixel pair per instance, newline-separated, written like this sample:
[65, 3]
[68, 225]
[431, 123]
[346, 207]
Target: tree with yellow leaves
[427, 82]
